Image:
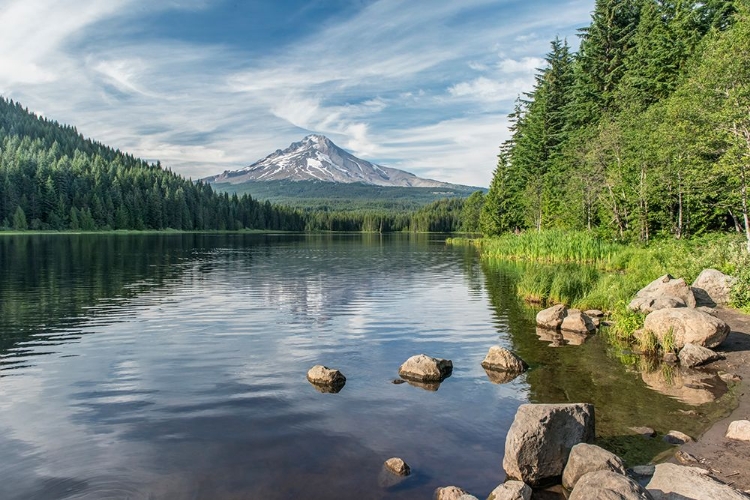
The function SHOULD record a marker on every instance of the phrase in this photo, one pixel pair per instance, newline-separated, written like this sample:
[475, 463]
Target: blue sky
[205, 86]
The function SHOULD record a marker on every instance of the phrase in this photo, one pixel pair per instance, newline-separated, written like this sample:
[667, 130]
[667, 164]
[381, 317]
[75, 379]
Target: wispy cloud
[424, 89]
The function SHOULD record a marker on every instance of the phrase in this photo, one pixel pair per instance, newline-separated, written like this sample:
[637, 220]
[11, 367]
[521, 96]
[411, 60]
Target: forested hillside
[53, 178]
[644, 131]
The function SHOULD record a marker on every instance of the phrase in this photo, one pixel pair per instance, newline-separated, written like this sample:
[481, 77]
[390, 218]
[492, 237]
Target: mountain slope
[317, 158]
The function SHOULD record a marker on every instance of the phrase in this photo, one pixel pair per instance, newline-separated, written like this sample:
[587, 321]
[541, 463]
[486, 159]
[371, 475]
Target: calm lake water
[173, 366]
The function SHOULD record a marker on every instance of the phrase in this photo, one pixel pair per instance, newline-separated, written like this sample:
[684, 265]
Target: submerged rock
[585, 458]
[511, 490]
[608, 485]
[671, 481]
[397, 466]
[646, 432]
[423, 368]
[676, 437]
[739, 430]
[687, 326]
[541, 437]
[713, 288]
[501, 359]
[326, 379]
[694, 355]
[552, 317]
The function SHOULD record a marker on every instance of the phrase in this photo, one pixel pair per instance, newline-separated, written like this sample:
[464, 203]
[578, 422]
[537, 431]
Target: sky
[205, 86]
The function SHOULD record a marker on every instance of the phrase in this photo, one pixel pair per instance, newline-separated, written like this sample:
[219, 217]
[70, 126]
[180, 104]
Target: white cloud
[376, 82]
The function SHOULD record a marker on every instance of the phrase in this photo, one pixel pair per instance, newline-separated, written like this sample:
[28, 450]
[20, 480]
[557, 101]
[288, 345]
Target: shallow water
[173, 366]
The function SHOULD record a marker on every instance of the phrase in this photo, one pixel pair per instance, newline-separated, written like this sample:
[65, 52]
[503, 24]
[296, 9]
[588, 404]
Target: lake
[173, 366]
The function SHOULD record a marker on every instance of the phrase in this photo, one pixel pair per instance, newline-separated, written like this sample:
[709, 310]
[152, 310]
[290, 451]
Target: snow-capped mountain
[316, 158]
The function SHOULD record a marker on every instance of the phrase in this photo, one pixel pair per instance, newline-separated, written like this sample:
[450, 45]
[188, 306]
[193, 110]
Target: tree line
[643, 132]
[52, 178]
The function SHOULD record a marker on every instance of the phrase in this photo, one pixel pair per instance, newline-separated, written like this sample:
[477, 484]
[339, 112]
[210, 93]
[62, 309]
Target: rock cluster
[559, 317]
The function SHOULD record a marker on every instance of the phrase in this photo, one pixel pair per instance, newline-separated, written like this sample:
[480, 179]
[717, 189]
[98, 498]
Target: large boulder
[671, 481]
[694, 355]
[541, 437]
[423, 368]
[687, 326]
[662, 293]
[501, 359]
[511, 490]
[713, 288]
[326, 379]
[577, 322]
[739, 430]
[585, 458]
[552, 317]
[608, 485]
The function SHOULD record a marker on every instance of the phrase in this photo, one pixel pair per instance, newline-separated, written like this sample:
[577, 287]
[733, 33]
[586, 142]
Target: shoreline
[727, 460]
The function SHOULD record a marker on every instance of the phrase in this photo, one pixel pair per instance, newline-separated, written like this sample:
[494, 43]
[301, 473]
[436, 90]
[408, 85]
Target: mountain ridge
[317, 158]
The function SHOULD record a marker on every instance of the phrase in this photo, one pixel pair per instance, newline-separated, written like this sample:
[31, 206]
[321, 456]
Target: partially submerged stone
[423, 368]
[676, 437]
[578, 322]
[713, 288]
[686, 326]
[671, 481]
[739, 430]
[694, 355]
[646, 432]
[511, 490]
[501, 359]
[552, 317]
[585, 458]
[326, 379]
[397, 466]
[608, 485]
[541, 437]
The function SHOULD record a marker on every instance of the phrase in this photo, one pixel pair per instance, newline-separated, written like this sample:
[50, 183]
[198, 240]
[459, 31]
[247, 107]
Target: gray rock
[423, 368]
[585, 458]
[511, 490]
[687, 326]
[320, 375]
[641, 471]
[608, 485]
[594, 313]
[676, 437]
[501, 359]
[646, 432]
[541, 437]
[694, 355]
[739, 430]
[397, 466]
[670, 357]
[577, 322]
[672, 482]
[664, 292]
[449, 493]
[551, 317]
[651, 304]
[712, 288]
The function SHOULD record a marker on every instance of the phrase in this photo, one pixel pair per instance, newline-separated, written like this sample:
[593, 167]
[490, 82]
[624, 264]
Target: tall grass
[590, 272]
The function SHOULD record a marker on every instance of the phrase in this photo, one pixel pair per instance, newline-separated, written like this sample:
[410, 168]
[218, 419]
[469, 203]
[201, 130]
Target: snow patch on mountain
[317, 158]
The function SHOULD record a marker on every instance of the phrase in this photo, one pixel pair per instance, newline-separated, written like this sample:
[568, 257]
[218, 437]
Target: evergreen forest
[643, 132]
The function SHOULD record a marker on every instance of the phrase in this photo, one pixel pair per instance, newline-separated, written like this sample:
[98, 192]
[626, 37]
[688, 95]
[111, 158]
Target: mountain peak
[317, 158]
